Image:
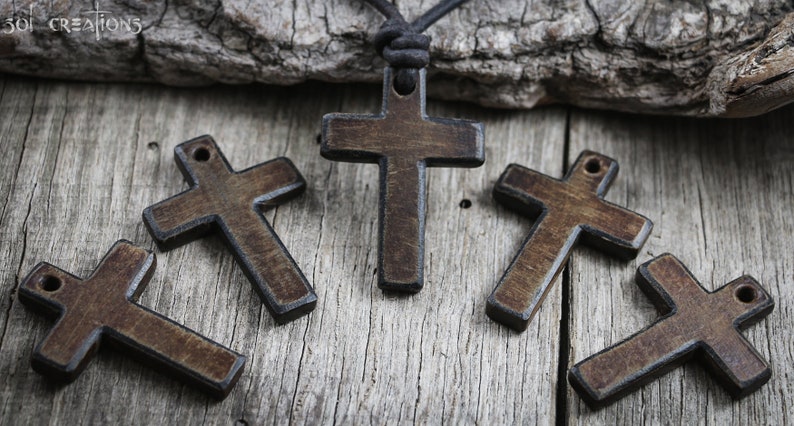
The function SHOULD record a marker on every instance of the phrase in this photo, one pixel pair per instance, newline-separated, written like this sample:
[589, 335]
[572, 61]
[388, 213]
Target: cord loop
[404, 49]
[403, 45]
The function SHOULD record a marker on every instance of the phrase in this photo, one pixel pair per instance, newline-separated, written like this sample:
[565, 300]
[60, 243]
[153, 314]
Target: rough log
[714, 58]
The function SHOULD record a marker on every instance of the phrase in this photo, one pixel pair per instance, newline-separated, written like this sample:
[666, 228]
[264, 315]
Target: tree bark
[715, 58]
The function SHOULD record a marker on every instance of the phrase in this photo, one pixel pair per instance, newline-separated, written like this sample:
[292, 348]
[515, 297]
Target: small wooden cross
[565, 210]
[695, 323]
[403, 141]
[102, 309]
[221, 199]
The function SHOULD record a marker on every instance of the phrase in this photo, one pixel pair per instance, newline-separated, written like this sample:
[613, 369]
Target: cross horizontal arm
[736, 364]
[525, 190]
[179, 220]
[665, 281]
[615, 230]
[270, 183]
[68, 347]
[350, 137]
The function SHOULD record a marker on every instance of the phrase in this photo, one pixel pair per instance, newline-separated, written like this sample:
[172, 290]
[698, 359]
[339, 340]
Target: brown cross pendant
[696, 323]
[220, 199]
[102, 309]
[403, 141]
[565, 210]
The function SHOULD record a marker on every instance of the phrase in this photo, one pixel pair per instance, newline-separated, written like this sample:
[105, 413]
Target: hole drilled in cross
[50, 283]
[592, 166]
[201, 154]
[465, 203]
[745, 294]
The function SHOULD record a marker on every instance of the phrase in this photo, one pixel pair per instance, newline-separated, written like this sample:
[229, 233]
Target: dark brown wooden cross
[221, 199]
[102, 309]
[566, 210]
[403, 141]
[695, 323]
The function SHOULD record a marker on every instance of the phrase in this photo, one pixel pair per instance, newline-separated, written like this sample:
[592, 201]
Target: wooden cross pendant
[403, 141]
[565, 210]
[102, 309]
[221, 199]
[695, 323]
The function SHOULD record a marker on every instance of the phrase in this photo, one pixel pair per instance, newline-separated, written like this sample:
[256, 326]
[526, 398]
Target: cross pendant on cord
[403, 141]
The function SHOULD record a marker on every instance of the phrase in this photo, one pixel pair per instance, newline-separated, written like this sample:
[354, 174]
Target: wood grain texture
[695, 323]
[83, 160]
[566, 211]
[720, 194]
[229, 202]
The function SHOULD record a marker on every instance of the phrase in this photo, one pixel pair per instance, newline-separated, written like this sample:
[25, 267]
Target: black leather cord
[403, 45]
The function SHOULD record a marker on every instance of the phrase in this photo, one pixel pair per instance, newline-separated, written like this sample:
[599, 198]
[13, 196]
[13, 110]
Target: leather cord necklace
[403, 141]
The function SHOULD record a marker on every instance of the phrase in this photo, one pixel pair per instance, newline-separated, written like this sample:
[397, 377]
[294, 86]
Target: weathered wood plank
[720, 194]
[88, 159]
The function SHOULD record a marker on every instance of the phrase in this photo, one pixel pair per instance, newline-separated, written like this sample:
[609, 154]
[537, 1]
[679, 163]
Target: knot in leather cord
[405, 50]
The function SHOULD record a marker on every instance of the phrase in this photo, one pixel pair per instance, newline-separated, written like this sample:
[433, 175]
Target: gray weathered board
[80, 162]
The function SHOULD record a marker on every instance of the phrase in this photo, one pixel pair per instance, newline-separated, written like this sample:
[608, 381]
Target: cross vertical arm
[184, 353]
[524, 286]
[267, 264]
[401, 222]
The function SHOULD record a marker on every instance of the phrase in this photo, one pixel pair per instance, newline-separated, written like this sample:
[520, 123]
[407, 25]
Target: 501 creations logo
[95, 21]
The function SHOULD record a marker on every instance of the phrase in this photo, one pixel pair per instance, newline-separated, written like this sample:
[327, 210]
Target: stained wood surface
[229, 202]
[101, 310]
[567, 212]
[695, 325]
[403, 141]
[81, 161]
